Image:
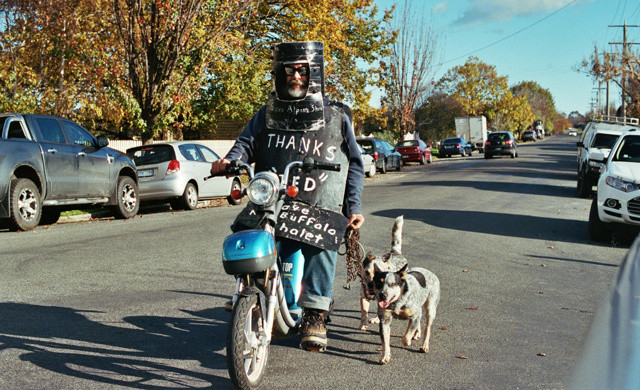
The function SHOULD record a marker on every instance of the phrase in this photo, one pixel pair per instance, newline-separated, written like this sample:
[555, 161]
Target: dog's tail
[396, 236]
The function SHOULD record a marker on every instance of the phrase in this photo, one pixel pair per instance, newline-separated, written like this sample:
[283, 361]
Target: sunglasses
[302, 71]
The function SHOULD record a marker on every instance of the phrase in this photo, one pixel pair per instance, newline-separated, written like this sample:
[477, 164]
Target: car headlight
[622, 185]
[263, 188]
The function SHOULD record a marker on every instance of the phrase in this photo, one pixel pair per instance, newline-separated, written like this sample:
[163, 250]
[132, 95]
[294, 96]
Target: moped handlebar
[234, 168]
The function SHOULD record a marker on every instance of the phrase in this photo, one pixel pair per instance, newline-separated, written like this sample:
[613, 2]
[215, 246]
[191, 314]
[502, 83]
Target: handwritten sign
[320, 228]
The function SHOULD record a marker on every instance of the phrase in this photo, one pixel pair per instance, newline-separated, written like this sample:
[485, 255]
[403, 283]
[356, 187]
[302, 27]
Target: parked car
[617, 201]
[501, 143]
[49, 164]
[598, 136]
[368, 162]
[175, 171]
[572, 132]
[385, 156]
[455, 145]
[529, 135]
[414, 150]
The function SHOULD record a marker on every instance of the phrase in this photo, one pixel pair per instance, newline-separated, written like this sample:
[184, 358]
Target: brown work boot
[313, 331]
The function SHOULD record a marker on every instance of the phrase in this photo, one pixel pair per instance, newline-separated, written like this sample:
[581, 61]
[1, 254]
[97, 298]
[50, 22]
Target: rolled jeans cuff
[314, 302]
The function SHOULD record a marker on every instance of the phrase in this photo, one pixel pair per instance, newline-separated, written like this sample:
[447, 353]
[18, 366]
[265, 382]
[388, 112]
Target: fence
[221, 147]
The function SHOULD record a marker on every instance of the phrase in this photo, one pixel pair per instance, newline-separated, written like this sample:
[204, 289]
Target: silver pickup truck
[49, 164]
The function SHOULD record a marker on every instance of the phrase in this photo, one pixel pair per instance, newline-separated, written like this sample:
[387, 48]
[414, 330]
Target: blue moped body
[248, 252]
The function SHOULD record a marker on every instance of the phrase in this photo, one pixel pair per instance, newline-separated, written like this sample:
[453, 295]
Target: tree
[475, 85]
[511, 113]
[410, 67]
[168, 46]
[623, 69]
[540, 100]
[435, 119]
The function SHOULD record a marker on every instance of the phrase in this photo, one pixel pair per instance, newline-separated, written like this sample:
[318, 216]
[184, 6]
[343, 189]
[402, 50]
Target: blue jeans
[318, 276]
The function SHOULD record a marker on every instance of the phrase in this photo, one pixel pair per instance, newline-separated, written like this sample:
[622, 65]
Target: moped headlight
[263, 188]
[621, 185]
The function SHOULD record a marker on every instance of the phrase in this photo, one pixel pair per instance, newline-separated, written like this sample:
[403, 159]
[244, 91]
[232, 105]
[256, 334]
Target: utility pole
[598, 99]
[625, 61]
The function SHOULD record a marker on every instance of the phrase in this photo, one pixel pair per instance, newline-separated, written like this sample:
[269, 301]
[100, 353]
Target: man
[297, 122]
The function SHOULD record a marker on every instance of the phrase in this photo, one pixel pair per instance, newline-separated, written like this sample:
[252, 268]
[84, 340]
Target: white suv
[598, 136]
[618, 197]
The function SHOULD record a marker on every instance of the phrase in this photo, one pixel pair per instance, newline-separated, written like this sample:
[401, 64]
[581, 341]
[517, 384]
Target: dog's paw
[424, 349]
[406, 341]
[417, 335]
[363, 327]
[385, 359]
[374, 320]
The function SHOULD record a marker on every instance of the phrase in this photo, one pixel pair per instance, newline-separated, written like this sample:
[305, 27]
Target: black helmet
[285, 112]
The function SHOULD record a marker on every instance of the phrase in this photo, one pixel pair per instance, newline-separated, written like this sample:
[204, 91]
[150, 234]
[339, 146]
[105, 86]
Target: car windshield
[152, 154]
[450, 141]
[499, 136]
[604, 141]
[629, 149]
[366, 145]
[403, 144]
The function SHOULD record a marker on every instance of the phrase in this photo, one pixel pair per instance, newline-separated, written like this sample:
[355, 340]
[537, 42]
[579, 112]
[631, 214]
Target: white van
[599, 135]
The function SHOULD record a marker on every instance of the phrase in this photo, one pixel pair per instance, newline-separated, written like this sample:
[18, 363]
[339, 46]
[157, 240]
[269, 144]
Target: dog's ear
[376, 268]
[368, 259]
[403, 270]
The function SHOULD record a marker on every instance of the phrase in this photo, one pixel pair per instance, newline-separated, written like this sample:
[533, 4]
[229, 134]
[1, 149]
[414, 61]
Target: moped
[267, 286]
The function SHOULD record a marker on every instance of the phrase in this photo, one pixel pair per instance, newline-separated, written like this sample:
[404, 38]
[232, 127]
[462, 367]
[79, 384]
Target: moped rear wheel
[247, 347]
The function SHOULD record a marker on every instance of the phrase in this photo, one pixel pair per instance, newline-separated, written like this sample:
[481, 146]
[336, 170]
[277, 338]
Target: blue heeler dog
[405, 294]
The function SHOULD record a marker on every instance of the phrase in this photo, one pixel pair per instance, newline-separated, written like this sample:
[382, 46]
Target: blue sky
[532, 40]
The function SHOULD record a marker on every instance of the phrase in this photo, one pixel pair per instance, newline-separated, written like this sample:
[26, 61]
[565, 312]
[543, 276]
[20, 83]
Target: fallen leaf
[542, 354]
[551, 247]
[461, 357]
[540, 292]
[473, 308]
[543, 265]
[465, 270]
[444, 328]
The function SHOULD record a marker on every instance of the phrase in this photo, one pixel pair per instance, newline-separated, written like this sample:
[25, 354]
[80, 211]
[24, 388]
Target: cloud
[501, 11]
[440, 8]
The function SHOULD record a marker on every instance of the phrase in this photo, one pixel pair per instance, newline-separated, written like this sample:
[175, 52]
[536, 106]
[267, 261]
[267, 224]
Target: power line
[508, 36]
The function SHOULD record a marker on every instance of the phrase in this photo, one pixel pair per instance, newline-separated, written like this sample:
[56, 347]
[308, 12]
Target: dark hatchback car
[500, 143]
[385, 156]
[451, 146]
[414, 150]
[529, 135]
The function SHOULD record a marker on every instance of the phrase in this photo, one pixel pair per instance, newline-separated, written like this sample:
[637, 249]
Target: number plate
[145, 173]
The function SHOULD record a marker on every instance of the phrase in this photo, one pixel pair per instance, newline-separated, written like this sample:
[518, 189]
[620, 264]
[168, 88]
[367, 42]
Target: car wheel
[399, 166]
[50, 215]
[235, 186]
[584, 186]
[25, 204]
[189, 198]
[372, 170]
[422, 159]
[513, 155]
[127, 198]
[383, 170]
[487, 156]
[598, 230]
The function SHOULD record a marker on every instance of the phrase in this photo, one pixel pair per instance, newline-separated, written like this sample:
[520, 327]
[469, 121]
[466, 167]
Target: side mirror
[597, 156]
[579, 144]
[103, 141]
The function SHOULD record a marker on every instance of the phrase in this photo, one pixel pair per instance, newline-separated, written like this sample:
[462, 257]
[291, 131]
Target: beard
[297, 90]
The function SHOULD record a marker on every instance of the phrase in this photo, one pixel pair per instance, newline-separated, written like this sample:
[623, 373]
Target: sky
[532, 40]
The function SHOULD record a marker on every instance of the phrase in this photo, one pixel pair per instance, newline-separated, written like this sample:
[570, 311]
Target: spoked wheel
[247, 347]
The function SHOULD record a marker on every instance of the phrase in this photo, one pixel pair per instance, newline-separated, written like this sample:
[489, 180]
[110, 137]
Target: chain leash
[354, 252]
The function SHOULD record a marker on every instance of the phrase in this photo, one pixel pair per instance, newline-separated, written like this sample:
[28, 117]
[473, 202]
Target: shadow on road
[65, 341]
[516, 188]
[502, 224]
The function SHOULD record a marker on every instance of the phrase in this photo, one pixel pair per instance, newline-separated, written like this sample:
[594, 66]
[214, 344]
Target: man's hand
[219, 166]
[355, 221]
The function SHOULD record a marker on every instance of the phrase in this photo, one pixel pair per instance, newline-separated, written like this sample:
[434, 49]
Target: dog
[406, 294]
[389, 262]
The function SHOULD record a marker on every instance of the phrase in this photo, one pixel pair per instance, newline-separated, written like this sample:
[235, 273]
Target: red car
[414, 150]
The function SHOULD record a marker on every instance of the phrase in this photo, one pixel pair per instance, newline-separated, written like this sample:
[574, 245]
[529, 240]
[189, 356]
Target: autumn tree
[475, 85]
[540, 100]
[435, 119]
[623, 69]
[510, 113]
[168, 46]
[410, 67]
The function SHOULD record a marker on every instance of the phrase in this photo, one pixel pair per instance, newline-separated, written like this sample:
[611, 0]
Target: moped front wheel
[247, 346]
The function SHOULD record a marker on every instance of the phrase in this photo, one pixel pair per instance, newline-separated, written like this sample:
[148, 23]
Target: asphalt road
[137, 304]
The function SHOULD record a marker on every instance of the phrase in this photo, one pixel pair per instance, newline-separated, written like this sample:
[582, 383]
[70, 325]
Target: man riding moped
[298, 122]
